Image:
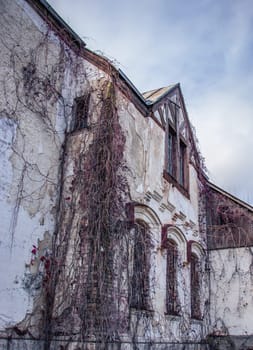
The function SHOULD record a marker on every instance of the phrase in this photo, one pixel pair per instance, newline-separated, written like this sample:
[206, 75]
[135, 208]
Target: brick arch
[195, 248]
[147, 215]
[173, 233]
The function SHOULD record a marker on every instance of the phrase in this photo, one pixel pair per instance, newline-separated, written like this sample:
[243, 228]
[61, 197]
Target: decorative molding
[181, 216]
[195, 233]
[164, 207]
[147, 214]
[148, 196]
[170, 206]
[192, 224]
[194, 247]
[174, 233]
[175, 217]
[157, 196]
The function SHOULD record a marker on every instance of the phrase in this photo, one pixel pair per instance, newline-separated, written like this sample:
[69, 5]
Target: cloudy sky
[206, 45]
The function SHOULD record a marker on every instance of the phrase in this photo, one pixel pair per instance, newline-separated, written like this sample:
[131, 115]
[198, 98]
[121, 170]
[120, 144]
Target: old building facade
[112, 235]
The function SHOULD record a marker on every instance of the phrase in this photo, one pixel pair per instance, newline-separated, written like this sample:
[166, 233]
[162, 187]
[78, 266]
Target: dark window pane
[171, 279]
[182, 153]
[141, 268]
[171, 152]
[80, 111]
[195, 287]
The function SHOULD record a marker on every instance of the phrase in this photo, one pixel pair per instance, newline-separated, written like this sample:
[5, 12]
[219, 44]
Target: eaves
[65, 32]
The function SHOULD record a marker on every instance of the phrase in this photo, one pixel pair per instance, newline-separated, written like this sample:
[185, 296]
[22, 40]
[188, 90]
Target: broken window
[172, 300]
[172, 152]
[176, 150]
[80, 112]
[141, 267]
[195, 287]
[182, 163]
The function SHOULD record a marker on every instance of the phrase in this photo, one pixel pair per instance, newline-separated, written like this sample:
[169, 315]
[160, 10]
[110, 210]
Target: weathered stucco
[65, 227]
[30, 167]
[231, 291]
[40, 78]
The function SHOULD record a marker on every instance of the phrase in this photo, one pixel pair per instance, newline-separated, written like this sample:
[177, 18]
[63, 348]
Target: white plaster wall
[29, 167]
[231, 291]
[145, 157]
[30, 147]
[30, 172]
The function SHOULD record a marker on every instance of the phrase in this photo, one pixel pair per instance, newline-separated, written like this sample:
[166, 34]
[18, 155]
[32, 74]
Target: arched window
[172, 300]
[141, 267]
[195, 287]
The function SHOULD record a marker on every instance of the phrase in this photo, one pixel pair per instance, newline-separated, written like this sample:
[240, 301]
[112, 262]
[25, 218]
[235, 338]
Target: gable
[168, 109]
[229, 220]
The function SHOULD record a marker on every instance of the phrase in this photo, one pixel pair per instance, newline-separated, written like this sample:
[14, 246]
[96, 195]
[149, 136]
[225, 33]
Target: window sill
[172, 316]
[196, 320]
[175, 183]
[145, 312]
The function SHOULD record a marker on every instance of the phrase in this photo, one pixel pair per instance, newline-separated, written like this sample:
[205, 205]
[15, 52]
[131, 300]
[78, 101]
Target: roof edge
[132, 86]
[174, 87]
[47, 11]
[58, 19]
[230, 196]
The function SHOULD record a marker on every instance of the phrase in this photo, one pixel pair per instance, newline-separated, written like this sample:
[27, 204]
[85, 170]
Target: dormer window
[172, 159]
[182, 163]
[168, 111]
[176, 150]
[80, 112]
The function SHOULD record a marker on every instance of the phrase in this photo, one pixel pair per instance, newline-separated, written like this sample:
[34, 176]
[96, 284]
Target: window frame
[80, 112]
[172, 295]
[140, 280]
[171, 152]
[195, 275]
[182, 163]
[180, 176]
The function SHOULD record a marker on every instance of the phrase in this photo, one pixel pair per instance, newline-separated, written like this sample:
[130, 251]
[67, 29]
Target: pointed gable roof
[167, 106]
[155, 95]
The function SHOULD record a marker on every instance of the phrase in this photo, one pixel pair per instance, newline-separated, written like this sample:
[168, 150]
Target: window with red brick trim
[141, 268]
[195, 287]
[172, 300]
